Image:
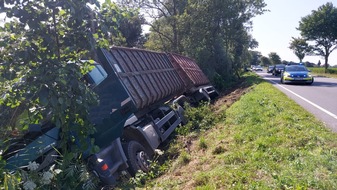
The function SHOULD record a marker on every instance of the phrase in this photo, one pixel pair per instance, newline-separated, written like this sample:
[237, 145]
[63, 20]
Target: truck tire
[137, 157]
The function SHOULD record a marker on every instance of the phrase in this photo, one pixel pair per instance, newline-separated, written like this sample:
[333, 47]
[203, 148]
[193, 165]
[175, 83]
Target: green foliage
[320, 28]
[40, 64]
[274, 58]
[141, 178]
[255, 58]
[214, 33]
[330, 72]
[123, 25]
[201, 179]
[10, 181]
[219, 82]
[199, 119]
[220, 25]
[166, 32]
[202, 143]
[321, 70]
[300, 47]
[74, 176]
[265, 61]
[184, 158]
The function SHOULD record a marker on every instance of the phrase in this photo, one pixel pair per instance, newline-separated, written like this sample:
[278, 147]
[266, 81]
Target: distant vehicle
[258, 68]
[277, 70]
[296, 74]
[270, 69]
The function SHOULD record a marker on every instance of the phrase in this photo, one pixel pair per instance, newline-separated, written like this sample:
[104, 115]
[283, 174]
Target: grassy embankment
[263, 141]
[320, 71]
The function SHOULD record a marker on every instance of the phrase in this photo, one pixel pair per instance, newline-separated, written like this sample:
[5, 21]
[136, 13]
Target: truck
[141, 101]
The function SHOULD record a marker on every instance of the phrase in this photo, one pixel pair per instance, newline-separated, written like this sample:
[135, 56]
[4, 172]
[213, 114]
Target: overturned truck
[136, 89]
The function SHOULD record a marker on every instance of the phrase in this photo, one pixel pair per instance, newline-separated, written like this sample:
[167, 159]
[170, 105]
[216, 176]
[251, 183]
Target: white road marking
[308, 101]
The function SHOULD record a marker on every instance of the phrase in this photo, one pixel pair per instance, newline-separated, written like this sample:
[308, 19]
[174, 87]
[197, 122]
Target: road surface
[320, 98]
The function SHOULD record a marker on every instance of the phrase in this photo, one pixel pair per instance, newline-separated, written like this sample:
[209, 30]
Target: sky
[274, 29]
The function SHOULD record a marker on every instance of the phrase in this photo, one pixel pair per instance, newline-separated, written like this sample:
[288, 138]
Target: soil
[230, 96]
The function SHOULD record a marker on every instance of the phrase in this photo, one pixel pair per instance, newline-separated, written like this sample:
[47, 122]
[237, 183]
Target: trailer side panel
[189, 71]
[148, 77]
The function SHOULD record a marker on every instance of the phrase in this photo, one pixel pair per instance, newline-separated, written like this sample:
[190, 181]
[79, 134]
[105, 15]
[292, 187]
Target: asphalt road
[320, 98]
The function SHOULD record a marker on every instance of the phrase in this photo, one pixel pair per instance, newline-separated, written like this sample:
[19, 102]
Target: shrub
[199, 118]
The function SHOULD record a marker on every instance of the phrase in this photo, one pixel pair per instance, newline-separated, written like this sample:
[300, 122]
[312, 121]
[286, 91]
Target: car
[258, 68]
[296, 74]
[277, 70]
[270, 69]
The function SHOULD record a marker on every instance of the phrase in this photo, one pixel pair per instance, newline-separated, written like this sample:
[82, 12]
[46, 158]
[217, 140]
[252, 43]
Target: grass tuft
[184, 158]
[219, 150]
[202, 143]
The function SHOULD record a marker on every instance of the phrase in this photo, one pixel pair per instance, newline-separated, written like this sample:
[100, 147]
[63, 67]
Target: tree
[214, 33]
[41, 49]
[274, 58]
[265, 61]
[284, 62]
[255, 58]
[309, 64]
[300, 47]
[164, 22]
[320, 28]
[123, 25]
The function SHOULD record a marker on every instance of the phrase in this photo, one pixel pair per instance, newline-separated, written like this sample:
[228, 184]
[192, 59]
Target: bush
[199, 118]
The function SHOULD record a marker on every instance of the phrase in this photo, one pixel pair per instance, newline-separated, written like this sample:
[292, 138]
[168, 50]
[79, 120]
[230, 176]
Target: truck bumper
[109, 162]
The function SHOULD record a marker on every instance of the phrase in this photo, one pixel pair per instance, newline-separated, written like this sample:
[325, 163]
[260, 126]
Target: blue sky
[273, 30]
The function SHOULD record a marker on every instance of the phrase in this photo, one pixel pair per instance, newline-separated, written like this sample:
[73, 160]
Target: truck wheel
[137, 156]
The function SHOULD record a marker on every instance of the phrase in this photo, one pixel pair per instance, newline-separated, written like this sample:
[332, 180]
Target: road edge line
[308, 101]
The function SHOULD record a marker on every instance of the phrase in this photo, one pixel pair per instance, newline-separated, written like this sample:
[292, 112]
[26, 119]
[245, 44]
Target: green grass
[265, 141]
[278, 145]
[331, 72]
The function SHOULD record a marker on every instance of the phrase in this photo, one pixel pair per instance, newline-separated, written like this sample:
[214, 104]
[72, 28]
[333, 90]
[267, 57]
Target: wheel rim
[142, 161]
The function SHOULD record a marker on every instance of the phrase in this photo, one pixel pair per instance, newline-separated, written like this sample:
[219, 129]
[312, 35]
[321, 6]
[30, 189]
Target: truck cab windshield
[96, 75]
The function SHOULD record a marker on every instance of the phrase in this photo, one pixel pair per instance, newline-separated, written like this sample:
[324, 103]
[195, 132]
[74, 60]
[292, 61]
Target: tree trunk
[326, 63]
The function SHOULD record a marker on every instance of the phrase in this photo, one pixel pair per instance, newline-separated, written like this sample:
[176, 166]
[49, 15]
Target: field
[320, 71]
[262, 141]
